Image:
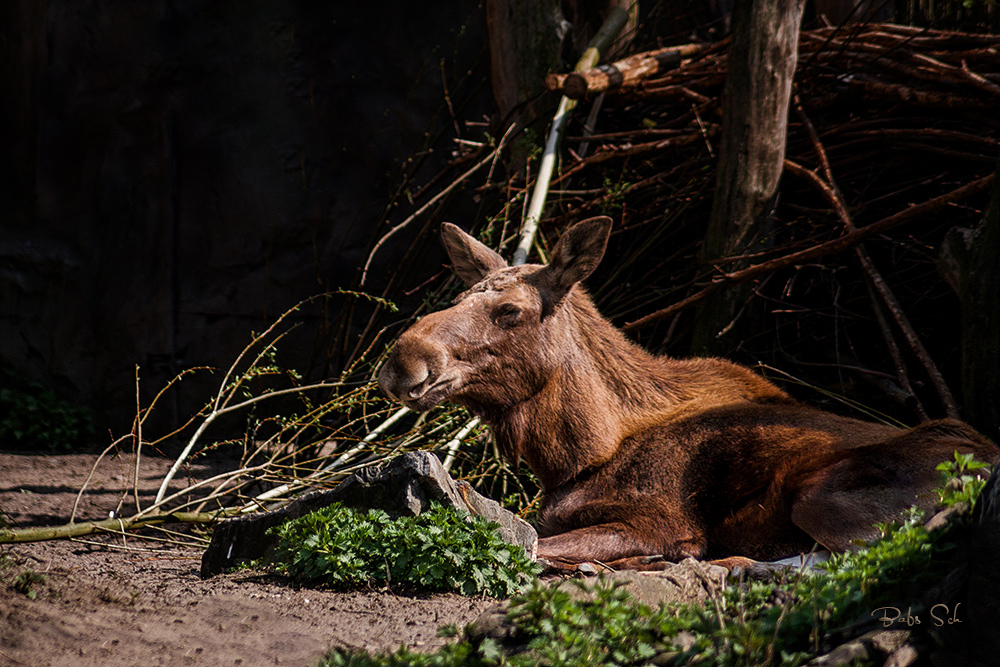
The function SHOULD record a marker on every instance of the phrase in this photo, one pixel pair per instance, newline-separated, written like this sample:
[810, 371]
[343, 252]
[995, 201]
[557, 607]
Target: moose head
[501, 339]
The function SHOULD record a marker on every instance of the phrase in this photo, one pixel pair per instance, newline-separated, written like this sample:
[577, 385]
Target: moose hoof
[566, 568]
[557, 567]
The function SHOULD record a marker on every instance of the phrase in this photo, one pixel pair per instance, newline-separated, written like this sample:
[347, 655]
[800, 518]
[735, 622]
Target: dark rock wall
[177, 173]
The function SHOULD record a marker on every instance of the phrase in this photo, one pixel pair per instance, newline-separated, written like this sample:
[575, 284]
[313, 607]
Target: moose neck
[602, 387]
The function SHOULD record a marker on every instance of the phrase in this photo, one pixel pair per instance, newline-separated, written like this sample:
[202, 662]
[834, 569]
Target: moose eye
[506, 315]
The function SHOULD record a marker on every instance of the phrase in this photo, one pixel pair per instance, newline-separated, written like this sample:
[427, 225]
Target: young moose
[643, 456]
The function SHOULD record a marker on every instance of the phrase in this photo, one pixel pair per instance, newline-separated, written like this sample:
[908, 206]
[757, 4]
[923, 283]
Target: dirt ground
[114, 602]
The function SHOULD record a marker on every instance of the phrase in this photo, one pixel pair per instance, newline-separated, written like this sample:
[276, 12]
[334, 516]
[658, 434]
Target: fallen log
[115, 524]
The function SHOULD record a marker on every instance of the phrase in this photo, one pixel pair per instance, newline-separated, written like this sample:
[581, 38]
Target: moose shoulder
[641, 455]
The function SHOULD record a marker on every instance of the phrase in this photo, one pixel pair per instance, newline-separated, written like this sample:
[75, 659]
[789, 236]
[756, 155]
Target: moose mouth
[425, 396]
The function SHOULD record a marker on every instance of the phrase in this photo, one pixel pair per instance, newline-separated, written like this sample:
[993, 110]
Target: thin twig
[433, 200]
[93, 469]
[218, 413]
[279, 491]
[452, 447]
[19, 535]
[137, 444]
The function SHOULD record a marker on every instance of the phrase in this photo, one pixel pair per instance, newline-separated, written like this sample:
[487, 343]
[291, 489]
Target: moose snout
[411, 371]
[403, 381]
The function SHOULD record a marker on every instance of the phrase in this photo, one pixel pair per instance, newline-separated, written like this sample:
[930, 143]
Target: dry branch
[623, 75]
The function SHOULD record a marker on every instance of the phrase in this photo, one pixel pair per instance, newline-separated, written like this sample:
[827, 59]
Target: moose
[644, 458]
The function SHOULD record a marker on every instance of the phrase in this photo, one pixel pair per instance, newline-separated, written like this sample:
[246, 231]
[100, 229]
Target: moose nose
[408, 373]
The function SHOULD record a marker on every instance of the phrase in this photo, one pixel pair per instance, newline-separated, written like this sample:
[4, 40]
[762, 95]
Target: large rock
[402, 486]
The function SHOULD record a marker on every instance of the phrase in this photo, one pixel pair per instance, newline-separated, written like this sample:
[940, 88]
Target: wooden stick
[897, 358]
[881, 288]
[918, 133]
[924, 98]
[622, 75]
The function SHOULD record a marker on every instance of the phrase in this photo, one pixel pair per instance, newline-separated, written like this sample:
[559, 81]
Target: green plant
[615, 194]
[33, 417]
[603, 626]
[442, 549]
[957, 484]
[25, 582]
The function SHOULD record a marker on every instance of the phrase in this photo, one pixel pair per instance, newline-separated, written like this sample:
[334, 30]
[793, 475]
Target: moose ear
[471, 260]
[575, 256]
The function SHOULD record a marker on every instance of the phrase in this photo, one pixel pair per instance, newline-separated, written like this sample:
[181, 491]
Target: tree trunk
[525, 40]
[755, 102]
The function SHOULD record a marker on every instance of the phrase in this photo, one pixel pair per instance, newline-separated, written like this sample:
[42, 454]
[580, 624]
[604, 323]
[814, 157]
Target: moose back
[642, 456]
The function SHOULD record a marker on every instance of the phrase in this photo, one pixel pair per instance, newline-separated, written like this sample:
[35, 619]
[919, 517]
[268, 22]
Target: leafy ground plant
[784, 622]
[34, 418]
[962, 484]
[20, 579]
[443, 549]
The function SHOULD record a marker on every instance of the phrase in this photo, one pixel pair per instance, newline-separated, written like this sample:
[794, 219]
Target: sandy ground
[113, 602]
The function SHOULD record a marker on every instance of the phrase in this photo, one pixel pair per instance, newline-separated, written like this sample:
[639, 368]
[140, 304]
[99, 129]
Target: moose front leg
[611, 543]
[616, 548]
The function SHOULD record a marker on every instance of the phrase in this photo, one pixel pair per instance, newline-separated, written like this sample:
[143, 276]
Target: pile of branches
[893, 140]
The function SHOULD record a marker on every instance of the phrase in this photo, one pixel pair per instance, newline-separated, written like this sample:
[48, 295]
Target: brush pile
[890, 125]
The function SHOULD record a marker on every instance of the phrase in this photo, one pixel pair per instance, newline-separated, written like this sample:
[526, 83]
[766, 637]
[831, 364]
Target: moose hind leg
[839, 505]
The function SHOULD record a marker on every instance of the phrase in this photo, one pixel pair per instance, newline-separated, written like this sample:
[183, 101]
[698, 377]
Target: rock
[856, 651]
[687, 581]
[402, 486]
[892, 643]
[493, 624]
[904, 656]
[889, 641]
[946, 517]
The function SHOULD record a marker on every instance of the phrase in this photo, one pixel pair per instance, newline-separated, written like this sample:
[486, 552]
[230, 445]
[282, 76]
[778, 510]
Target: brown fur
[640, 455]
